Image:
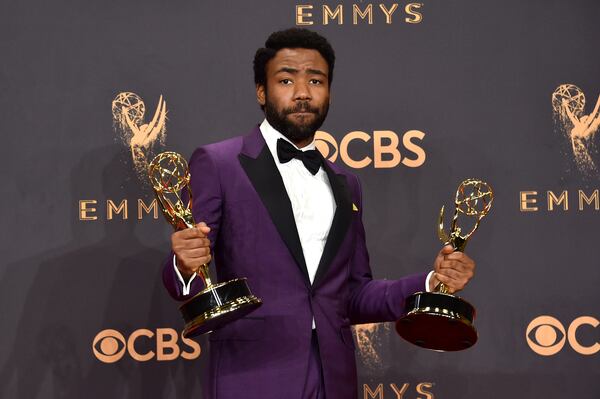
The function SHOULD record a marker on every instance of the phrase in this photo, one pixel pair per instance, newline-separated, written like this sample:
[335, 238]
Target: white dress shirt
[312, 200]
[313, 204]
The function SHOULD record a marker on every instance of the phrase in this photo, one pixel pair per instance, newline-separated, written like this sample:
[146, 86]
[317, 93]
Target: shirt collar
[271, 135]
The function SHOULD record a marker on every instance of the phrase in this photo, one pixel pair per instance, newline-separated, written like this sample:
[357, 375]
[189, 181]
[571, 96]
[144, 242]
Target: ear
[260, 94]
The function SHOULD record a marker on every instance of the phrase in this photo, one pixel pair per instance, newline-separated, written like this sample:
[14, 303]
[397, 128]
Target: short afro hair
[291, 38]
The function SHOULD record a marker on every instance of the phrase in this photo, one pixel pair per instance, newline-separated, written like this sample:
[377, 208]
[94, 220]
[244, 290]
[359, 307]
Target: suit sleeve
[206, 207]
[374, 301]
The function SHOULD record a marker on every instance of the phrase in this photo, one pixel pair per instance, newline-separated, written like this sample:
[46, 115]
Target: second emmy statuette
[438, 320]
[217, 304]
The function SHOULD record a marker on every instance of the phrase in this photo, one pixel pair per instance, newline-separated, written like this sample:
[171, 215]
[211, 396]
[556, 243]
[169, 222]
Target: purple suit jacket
[239, 193]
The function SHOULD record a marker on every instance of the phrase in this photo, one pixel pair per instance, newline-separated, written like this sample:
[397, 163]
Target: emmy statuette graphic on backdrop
[217, 304]
[569, 104]
[143, 139]
[439, 320]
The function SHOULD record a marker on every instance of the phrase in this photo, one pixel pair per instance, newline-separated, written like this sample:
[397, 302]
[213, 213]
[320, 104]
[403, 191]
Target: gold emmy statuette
[217, 304]
[438, 320]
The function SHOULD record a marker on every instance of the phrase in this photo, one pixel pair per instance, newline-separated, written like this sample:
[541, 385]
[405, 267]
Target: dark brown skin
[302, 75]
[296, 75]
[454, 269]
[192, 249]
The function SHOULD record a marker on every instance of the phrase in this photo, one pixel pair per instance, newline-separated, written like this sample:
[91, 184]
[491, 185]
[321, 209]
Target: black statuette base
[438, 321]
[216, 306]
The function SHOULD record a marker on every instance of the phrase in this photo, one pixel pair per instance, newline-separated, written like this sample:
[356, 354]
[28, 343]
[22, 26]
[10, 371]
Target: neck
[303, 143]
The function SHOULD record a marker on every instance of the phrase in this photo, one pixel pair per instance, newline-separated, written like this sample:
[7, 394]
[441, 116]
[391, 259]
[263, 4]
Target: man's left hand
[452, 268]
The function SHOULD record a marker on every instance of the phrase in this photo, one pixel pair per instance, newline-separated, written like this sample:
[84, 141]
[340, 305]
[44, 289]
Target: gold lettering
[588, 200]
[367, 13]
[84, 210]
[131, 345]
[410, 10]
[344, 149]
[301, 14]
[162, 344]
[338, 14]
[379, 149]
[572, 334]
[143, 208]
[421, 389]
[388, 13]
[378, 393]
[112, 208]
[526, 201]
[562, 199]
[399, 391]
[409, 145]
[196, 350]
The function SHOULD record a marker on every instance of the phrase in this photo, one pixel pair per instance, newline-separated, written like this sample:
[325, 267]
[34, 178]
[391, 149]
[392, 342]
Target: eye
[285, 81]
[316, 82]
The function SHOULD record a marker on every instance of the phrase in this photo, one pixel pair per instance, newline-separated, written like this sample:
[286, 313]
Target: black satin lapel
[267, 182]
[340, 223]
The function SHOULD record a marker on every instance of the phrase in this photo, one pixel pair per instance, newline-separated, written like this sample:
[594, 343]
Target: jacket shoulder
[222, 149]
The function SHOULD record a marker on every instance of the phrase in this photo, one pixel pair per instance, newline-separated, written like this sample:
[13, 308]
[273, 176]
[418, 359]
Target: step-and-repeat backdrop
[425, 95]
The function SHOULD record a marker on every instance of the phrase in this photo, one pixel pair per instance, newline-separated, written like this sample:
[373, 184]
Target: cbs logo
[110, 345]
[384, 144]
[546, 335]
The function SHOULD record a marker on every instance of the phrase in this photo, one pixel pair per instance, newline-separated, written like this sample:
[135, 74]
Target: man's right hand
[192, 248]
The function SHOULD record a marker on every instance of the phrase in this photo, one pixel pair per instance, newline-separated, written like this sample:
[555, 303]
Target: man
[274, 211]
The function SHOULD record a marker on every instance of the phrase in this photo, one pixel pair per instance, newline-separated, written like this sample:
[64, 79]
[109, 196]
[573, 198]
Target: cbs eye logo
[383, 145]
[547, 336]
[109, 346]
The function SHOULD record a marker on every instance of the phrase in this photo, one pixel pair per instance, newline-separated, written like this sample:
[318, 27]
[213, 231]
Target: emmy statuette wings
[438, 320]
[217, 304]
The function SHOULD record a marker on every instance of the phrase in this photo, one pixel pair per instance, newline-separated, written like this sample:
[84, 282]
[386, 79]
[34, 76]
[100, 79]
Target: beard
[296, 131]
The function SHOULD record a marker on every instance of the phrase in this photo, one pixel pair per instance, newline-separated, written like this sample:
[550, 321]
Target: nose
[301, 90]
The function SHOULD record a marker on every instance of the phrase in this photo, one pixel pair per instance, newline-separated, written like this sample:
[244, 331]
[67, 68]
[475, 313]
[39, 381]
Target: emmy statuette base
[216, 306]
[437, 321]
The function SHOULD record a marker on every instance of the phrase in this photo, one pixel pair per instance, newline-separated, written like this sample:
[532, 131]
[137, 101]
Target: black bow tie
[312, 159]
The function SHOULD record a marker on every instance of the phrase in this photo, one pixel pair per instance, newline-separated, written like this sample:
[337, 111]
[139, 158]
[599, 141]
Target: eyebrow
[309, 71]
[316, 72]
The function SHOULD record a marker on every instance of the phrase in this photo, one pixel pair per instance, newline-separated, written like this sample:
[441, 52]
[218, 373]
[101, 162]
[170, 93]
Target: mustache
[301, 107]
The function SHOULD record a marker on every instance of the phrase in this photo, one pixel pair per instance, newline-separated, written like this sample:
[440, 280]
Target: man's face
[296, 96]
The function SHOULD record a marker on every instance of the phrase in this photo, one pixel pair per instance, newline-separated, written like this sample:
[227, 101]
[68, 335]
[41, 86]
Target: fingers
[192, 248]
[451, 284]
[453, 268]
[200, 230]
[458, 263]
[189, 243]
[459, 276]
[191, 266]
[195, 253]
[447, 249]
[203, 228]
